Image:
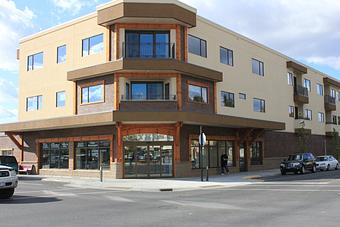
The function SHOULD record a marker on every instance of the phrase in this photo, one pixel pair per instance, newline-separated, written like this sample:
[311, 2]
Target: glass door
[167, 161]
[242, 158]
[155, 161]
[142, 161]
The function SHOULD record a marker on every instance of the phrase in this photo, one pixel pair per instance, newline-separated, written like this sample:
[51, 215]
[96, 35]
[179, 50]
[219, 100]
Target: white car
[8, 182]
[327, 162]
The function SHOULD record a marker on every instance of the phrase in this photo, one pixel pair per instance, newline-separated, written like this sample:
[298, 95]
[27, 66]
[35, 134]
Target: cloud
[14, 23]
[301, 29]
[7, 115]
[8, 92]
[73, 6]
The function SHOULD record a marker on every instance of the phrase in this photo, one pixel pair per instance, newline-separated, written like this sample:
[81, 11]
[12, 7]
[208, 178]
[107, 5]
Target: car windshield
[320, 159]
[296, 157]
[7, 160]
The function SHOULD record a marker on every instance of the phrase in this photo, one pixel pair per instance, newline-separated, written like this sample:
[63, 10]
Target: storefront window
[148, 137]
[214, 150]
[92, 154]
[54, 155]
[256, 153]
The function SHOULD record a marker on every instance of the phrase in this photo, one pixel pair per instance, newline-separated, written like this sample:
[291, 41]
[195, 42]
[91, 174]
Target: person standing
[224, 164]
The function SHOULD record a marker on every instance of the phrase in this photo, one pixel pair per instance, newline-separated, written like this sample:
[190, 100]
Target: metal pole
[207, 173]
[201, 154]
[101, 173]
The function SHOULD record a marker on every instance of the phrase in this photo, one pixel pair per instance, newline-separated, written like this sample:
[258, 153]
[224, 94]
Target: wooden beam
[14, 140]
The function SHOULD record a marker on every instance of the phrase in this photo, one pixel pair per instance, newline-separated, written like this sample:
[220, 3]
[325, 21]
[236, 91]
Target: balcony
[330, 104]
[148, 50]
[141, 103]
[301, 94]
[303, 125]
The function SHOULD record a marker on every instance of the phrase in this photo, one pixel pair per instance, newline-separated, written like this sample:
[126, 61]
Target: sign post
[203, 162]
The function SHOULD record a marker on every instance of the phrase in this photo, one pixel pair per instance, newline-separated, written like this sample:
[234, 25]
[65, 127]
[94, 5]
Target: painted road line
[206, 205]
[120, 199]
[281, 189]
[58, 193]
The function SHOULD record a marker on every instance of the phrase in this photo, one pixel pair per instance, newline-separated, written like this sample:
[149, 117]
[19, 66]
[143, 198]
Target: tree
[335, 145]
[302, 135]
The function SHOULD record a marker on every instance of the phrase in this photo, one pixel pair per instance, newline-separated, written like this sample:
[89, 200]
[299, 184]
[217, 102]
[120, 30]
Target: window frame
[319, 89]
[306, 113]
[56, 99]
[228, 94]
[321, 117]
[88, 85]
[58, 48]
[200, 41]
[290, 78]
[242, 94]
[260, 65]
[30, 59]
[89, 45]
[262, 101]
[307, 85]
[38, 103]
[201, 85]
[227, 52]
[291, 113]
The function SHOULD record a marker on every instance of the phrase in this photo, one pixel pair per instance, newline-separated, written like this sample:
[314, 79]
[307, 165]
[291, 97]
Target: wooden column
[179, 91]
[111, 150]
[116, 88]
[237, 151]
[178, 42]
[177, 142]
[119, 158]
[71, 160]
[185, 44]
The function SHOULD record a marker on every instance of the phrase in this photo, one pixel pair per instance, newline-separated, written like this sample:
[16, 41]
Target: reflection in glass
[61, 54]
[198, 94]
[92, 154]
[54, 155]
[61, 98]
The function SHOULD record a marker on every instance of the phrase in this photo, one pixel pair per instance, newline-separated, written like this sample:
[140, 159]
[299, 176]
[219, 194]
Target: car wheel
[337, 166]
[6, 193]
[302, 170]
[328, 167]
[314, 169]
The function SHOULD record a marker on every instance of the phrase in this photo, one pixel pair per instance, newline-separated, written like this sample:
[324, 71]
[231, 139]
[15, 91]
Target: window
[334, 118]
[308, 114]
[92, 45]
[92, 94]
[54, 155]
[60, 99]
[290, 78]
[61, 54]
[319, 89]
[92, 154]
[338, 120]
[259, 105]
[337, 96]
[227, 99]
[127, 91]
[242, 96]
[226, 56]
[198, 93]
[214, 150]
[147, 90]
[333, 93]
[321, 117]
[257, 67]
[256, 153]
[148, 44]
[33, 103]
[197, 46]
[35, 61]
[307, 84]
[291, 111]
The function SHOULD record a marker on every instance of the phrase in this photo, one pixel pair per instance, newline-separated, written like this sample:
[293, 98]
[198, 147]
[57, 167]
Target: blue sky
[305, 30]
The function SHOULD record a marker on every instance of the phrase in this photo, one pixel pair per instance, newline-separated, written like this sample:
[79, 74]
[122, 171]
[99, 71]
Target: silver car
[327, 162]
[8, 181]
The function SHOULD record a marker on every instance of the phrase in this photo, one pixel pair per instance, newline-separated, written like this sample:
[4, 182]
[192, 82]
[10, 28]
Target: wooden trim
[215, 97]
[14, 140]
[200, 84]
[75, 139]
[108, 44]
[118, 47]
[116, 90]
[166, 129]
[90, 84]
[212, 137]
[75, 98]
[178, 42]
[179, 92]
[186, 44]
[119, 144]
[146, 26]
[147, 75]
[177, 141]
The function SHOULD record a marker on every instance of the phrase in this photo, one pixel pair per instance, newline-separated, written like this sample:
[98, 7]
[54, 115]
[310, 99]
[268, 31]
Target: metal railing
[300, 90]
[329, 99]
[143, 98]
[148, 50]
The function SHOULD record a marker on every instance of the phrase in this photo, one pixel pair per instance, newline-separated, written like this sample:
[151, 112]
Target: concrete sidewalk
[156, 185]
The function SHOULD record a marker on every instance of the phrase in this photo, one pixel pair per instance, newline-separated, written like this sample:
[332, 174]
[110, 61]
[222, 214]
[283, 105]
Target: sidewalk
[156, 185]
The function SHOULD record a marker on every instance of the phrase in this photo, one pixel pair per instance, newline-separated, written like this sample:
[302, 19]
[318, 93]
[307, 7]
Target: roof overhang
[329, 81]
[296, 67]
[145, 65]
[120, 10]
[110, 118]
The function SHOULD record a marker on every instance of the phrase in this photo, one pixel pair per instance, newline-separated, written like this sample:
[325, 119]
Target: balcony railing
[148, 50]
[329, 99]
[300, 90]
[143, 99]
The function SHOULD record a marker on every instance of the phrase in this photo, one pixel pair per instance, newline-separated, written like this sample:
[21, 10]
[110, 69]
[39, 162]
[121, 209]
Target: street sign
[202, 139]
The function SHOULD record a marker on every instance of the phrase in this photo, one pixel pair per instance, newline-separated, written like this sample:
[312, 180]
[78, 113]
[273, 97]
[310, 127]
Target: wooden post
[119, 143]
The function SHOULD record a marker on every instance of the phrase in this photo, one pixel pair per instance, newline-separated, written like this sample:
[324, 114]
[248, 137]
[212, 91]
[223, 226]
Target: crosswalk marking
[206, 205]
[120, 199]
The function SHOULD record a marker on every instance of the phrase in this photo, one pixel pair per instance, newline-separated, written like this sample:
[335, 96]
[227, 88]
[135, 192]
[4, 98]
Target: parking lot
[292, 200]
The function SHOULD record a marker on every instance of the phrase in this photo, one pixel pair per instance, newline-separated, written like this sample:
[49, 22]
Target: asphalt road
[292, 200]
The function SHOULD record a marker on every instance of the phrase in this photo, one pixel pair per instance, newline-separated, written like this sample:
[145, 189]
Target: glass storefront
[92, 154]
[148, 156]
[211, 153]
[54, 155]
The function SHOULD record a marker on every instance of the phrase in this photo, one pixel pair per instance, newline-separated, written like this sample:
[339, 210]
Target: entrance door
[148, 159]
[242, 158]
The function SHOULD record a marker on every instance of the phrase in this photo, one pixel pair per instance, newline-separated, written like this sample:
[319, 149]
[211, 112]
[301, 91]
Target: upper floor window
[92, 94]
[92, 45]
[291, 111]
[319, 89]
[61, 54]
[307, 84]
[321, 117]
[290, 78]
[242, 96]
[147, 91]
[226, 56]
[197, 46]
[198, 93]
[308, 114]
[60, 99]
[333, 93]
[227, 99]
[259, 105]
[148, 44]
[35, 61]
[34, 103]
[257, 67]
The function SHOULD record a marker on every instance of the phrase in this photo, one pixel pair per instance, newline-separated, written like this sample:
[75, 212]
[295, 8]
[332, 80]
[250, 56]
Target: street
[292, 200]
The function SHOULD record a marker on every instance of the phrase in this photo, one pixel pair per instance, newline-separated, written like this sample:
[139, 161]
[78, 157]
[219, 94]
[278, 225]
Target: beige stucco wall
[52, 77]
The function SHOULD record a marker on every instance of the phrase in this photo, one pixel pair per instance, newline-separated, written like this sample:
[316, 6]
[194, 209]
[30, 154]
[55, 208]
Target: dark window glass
[167, 91]
[259, 105]
[54, 155]
[257, 67]
[61, 54]
[198, 94]
[92, 155]
[127, 91]
[226, 56]
[60, 99]
[147, 90]
[35, 61]
[197, 46]
[92, 45]
[256, 153]
[227, 99]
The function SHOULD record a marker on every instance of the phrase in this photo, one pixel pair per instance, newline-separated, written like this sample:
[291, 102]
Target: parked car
[8, 181]
[298, 163]
[326, 162]
[9, 161]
